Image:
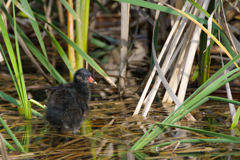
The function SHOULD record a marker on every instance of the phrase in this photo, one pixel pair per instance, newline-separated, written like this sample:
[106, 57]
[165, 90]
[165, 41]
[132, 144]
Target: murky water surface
[111, 130]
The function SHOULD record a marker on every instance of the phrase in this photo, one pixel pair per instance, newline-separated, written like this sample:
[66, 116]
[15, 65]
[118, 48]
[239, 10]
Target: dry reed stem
[228, 89]
[125, 8]
[70, 31]
[60, 15]
[178, 30]
[165, 47]
[192, 50]
[47, 11]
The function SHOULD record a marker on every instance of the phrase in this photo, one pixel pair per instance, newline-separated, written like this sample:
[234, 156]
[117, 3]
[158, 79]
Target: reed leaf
[82, 9]
[236, 118]
[36, 29]
[15, 140]
[82, 53]
[34, 50]
[213, 140]
[69, 8]
[60, 50]
[16, 64]
[17, 103]
[193, 18]
[209, 133]
[191, 103]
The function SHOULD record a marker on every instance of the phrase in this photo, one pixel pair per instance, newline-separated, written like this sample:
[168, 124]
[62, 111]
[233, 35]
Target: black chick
[68, 105]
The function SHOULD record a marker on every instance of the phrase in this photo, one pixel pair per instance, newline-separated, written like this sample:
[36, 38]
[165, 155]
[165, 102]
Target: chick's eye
[86, 75]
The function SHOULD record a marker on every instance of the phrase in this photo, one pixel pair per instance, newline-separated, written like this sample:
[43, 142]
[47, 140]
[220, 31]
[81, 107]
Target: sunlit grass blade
[16, 64]
[197, 101]
[21, 82]
[137, 144]
[145, 139]
[35, 51]
[37, 103]
[11, 99]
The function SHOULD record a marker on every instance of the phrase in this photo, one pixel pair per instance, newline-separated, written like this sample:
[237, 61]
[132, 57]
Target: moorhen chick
[67, 107]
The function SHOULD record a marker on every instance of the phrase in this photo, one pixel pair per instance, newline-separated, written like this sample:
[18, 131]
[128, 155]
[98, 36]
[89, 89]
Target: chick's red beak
[91, 80]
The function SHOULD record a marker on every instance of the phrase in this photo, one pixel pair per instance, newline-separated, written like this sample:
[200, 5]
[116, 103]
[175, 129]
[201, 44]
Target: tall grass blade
[35, 51]
[15, 140]
[197, 141]
[224, 100]
[20, 85]
[20, 79]
[209, 133]
[11, 99]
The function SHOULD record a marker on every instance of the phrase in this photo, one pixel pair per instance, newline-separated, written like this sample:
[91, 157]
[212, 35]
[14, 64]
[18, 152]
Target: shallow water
[111, 130]
[109, 134]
